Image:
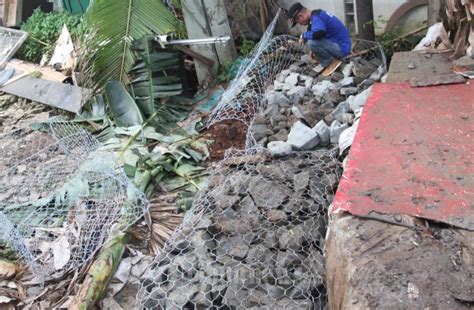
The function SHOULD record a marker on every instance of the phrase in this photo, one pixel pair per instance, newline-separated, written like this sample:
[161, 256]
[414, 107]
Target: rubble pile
[306, 110]
[255, 239]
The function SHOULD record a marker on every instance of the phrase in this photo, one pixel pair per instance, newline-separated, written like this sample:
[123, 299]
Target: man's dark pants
[326, 51]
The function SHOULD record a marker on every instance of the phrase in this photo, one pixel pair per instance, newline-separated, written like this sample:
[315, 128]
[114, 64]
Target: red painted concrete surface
[413, 154]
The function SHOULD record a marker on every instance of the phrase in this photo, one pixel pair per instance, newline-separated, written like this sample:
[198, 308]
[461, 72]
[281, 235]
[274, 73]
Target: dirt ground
[226, 134]
[377, 265]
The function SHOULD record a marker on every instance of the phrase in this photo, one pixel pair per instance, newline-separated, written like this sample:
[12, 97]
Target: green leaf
[118, 24]
[123, 106]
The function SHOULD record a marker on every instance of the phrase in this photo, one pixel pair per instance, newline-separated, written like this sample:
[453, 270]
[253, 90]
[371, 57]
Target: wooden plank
[219, 26]
[47, 73]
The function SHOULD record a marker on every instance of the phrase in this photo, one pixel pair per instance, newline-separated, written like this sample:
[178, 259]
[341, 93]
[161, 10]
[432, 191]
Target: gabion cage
[61, 195]
[254, 238]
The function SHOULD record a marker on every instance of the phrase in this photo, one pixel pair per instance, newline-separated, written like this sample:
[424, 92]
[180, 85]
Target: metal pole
[365, 19]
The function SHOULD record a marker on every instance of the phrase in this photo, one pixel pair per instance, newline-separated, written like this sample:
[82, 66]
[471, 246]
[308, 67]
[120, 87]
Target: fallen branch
[100, 273]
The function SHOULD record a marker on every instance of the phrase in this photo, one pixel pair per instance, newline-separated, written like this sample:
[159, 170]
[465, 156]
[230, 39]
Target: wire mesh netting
[254, 238]
[61, 195]
[10, 42]
[245, 95]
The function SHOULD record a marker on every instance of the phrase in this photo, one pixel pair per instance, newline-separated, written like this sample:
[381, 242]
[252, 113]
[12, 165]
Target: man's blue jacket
[326, 25]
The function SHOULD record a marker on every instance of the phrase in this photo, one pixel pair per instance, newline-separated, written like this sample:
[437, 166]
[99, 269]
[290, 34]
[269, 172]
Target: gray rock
[296, 94]
[318, 69]
[301, 137]
[347, 69]
[295, 68]
[340, 110]
[301, 181]
[281, 135]
[347, 91]
[278, 86]
[377, 75]
[358, 102]
[322, 88]
[363, 70]
[289, 259]
[283, 75]
[270, 240]
[267, 194]
[279, 148]
[278, 99]
[296, 112]
[308, 83]
[347, 137]
[178, 298]
[274, 292]
[235, 296]
[336, 76]
[365, 84]
[276, 216]
[292, 79]
[323, 132]
[348, 81]
[335, 131]
[291, 239]
[259, 131]
[258, 255]
[347, 118]
[234, 247]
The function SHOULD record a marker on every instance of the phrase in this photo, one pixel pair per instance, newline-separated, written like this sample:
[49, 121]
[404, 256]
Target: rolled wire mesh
[245, 95]
[61, 196]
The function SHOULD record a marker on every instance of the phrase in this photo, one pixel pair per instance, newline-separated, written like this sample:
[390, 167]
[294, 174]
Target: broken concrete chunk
[302, 138]
[347, 137]
[322, 88]
[322, 130]
[340, 110]
[279, 148]
[318, 69]
[278, 99]
[296, 94]
[292, 79]
[347, 91]
[335, 131]
[357, 102]
[348, 81]
[283, 75]
[296, 112]
[347, 69]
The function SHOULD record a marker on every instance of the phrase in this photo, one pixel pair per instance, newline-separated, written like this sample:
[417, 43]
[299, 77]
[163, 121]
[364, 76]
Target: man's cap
[293, 11]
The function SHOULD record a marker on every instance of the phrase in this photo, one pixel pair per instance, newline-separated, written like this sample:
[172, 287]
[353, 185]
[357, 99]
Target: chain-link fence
[61, 195]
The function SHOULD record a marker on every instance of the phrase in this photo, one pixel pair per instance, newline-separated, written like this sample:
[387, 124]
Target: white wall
[383, 9]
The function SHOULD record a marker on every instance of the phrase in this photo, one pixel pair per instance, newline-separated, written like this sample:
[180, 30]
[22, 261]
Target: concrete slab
[374, 265]
[413, 154]
[408, 65]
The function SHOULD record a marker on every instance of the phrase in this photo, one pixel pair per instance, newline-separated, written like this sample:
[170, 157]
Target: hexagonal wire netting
[254, 237]
[61, 195]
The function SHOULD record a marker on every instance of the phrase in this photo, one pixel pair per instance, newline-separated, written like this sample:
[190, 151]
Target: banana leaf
[118, 24]
[124, 108]
[155, 76]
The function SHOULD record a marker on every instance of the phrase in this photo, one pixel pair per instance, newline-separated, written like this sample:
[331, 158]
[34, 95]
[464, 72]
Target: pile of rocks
[255, 239]
[306, 110]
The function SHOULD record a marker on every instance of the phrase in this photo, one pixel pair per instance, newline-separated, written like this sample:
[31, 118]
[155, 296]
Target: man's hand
[301, 40]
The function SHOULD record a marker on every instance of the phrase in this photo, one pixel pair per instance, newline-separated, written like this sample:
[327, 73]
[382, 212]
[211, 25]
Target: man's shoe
[332, 67]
